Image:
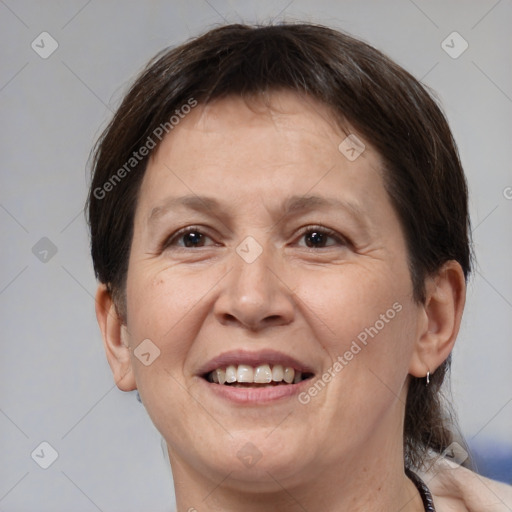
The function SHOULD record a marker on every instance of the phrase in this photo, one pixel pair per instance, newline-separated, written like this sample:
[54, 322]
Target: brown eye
[315, 239]
[188, 238]
[318, 238]
[192, 239]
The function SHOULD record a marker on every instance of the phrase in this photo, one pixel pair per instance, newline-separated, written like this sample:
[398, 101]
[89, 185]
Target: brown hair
[380, 100]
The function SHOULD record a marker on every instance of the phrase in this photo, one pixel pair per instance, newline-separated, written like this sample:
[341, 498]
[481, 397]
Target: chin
[257, 458]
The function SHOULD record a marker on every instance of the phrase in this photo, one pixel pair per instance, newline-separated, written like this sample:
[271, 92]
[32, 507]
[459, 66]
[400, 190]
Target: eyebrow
[294, 205]
[201, 204]
[300, 204]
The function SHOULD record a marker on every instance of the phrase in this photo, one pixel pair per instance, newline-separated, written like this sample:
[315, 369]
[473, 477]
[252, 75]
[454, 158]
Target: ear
[440, 317]
[115, 340]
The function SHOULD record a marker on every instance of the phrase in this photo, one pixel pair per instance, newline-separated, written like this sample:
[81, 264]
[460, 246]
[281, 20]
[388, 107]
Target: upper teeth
[262, 374]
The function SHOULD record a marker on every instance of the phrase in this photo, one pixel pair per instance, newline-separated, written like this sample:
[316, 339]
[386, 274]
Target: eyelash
[175, 237]
[340, 240]
[180, 234]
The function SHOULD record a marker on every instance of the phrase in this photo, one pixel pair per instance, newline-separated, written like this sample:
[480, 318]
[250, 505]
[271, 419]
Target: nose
[254, 295]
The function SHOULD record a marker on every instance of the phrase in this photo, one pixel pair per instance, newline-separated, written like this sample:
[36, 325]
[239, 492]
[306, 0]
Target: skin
[343, 449]
[459, 489]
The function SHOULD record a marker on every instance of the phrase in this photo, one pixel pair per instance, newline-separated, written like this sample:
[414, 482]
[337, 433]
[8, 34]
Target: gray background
[55, 383]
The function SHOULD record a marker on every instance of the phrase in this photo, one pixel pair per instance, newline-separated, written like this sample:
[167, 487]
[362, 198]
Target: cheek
[168, 305]
[355, 302]
[165, 308]
[160, 297]
[365, 320]
[369, 343]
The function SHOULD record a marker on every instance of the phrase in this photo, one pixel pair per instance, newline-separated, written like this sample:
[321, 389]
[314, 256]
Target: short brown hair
[380, 100]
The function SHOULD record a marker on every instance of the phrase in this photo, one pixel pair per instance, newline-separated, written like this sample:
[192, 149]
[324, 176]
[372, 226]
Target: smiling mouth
[261, 376]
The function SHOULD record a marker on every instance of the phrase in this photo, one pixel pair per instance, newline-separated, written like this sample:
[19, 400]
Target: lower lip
[254, 396]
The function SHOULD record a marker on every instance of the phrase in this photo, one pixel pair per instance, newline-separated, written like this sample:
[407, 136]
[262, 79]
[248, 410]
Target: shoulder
[457, 489]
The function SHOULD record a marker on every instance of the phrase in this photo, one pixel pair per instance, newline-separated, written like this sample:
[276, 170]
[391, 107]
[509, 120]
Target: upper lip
[254, 359]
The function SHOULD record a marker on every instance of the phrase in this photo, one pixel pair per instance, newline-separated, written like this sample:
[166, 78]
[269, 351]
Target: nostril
[265, 322]
[229, 318]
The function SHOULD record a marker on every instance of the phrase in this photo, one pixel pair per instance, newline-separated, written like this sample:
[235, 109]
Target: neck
[375, 484]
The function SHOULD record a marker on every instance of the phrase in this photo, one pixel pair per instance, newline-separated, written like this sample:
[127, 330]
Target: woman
[280, 230]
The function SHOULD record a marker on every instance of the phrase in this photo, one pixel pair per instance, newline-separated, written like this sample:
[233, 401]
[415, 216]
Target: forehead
[284, 143]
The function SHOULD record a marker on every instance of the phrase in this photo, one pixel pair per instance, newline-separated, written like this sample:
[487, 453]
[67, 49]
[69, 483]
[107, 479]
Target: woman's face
[261, 243]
